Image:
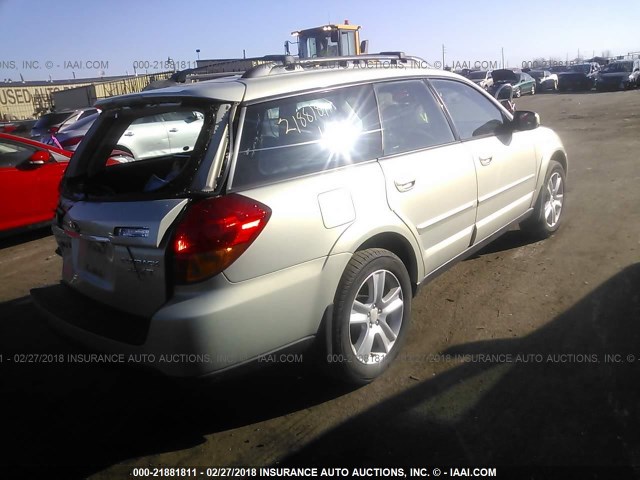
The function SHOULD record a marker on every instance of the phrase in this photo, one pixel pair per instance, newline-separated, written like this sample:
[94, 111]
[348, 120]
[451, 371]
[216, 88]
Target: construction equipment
[329, 41]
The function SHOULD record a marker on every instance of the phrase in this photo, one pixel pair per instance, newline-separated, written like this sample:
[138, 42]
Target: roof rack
[268, 64]
[290, 63]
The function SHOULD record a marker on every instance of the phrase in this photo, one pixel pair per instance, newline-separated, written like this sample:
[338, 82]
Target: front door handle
[485, 160]
[173, 130]
[405, 185]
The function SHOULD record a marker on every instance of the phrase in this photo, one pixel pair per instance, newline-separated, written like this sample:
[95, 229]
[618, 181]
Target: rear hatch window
[126, 185]
[142, 152]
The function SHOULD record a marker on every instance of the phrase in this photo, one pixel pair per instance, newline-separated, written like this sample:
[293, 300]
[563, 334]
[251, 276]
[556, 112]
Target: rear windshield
[307, 134]
[618, 67]
[143, 150]
[478, 75]
[50, 119]
[84, 123]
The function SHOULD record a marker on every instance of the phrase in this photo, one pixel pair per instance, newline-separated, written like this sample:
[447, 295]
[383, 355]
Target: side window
[411, 118]
[307, 134]
[148, 119]
[473, 114]
[12, 154]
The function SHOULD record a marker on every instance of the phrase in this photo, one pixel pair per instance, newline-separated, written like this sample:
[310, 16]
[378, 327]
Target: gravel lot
[526, 354]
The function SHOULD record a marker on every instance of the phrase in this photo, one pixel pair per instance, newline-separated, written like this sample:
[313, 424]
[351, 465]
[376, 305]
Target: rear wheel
[371, 316]
[549, 208]
[533, 89]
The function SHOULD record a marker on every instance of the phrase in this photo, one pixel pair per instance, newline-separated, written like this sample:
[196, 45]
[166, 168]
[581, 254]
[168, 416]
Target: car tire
[372, 310]
[517, 93]
[549, 208]
[533, 89]
[555, 86]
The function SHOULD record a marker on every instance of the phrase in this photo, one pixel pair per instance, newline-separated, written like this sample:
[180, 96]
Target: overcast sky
[77, 35]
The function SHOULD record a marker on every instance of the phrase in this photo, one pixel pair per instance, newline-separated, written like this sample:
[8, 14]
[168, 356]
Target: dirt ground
[527, 354]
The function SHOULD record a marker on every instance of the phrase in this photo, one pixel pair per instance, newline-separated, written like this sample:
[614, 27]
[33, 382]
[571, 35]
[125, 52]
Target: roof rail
[291, 63]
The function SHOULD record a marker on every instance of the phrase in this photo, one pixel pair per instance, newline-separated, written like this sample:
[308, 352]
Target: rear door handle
[128, 134]
[485, 160]
[405, 185]
[173, 130]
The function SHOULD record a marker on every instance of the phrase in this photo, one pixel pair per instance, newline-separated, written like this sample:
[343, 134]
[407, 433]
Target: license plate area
[96, 258]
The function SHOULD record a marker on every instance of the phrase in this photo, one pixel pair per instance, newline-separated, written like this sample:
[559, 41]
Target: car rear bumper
[219, 327]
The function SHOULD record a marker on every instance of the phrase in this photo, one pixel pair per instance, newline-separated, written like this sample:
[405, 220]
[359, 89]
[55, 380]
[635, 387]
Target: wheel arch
[400, 246]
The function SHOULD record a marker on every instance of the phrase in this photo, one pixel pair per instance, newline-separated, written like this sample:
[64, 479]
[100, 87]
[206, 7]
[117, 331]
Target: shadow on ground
[15, 238]
[562, 402]
[510, 240]
[78, 419]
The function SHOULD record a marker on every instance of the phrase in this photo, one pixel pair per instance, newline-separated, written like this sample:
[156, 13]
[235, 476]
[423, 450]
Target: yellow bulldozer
[342, 40]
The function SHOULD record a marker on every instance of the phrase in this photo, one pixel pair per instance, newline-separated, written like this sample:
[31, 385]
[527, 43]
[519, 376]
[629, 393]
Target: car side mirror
[39, 158]
[525, 120]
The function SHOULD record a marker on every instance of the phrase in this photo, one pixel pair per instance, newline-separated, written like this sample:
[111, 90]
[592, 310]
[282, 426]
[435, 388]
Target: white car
[151, 136]
[481, 78]
[545, 80]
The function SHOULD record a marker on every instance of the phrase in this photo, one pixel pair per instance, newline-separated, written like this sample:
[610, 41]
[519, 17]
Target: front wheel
[371, 316]
[548, 211]
[533, 89]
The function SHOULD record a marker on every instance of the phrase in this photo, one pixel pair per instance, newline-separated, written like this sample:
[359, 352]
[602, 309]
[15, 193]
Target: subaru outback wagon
[307, 207]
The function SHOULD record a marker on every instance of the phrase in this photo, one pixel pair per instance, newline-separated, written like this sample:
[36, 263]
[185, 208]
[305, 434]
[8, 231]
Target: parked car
[521, 82]
[29, 176]
[70, 137]
[17, 127]
[545, 80]
[313, 204]
[578, 77]
[169, 132]
[619, 75]
[558, 68]
[481, 78]
[51, 122]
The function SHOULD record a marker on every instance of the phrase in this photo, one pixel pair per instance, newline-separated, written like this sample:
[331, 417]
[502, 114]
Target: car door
[532, 82]
[146, 137]
[505, 160]
[48, 178]
[430, 178]
[18, 185]
[183, 128]
[28, 192]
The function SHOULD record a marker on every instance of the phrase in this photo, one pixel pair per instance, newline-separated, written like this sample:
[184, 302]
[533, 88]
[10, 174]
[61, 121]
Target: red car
[29, 176]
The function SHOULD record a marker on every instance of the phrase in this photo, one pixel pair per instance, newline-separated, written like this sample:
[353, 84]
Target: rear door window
[411, 117]
[307, 134]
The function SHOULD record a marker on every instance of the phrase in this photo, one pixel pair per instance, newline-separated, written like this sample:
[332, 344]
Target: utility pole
[443, 56]
[502, 49]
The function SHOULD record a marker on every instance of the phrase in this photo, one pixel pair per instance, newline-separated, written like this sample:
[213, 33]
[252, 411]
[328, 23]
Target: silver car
[311, 206]
[146, 137]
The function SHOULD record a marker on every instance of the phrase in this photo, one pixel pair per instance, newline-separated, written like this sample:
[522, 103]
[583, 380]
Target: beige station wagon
[310, 203]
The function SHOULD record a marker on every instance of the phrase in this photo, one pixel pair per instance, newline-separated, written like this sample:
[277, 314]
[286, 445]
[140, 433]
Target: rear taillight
[70, 142]
[213, 233]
